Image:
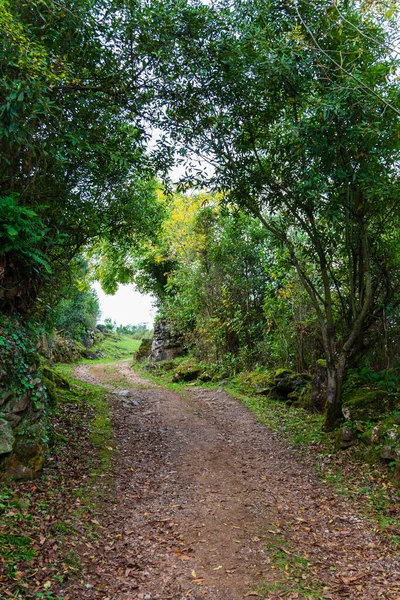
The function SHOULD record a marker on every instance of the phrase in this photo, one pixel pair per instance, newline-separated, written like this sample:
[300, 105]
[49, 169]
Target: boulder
[365, 404]
[281, 384]
[143, 352]
[187, 371]
[167, 344]
[347, 437]
[7, 438]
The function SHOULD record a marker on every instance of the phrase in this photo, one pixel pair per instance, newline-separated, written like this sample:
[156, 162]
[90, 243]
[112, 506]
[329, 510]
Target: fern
[21, 233]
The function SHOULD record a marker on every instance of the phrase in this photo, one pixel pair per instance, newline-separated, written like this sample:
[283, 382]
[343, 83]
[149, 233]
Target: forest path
[207, 503]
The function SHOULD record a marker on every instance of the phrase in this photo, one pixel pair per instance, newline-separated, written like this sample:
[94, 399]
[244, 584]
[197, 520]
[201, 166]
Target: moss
[364, 404]
[305, 398]
[56, 378]
[365, 438]
[257, 382]
[321, 362]
[282, 372]
[51, 390]
[187, 371]
[166, 365]
[143, 352]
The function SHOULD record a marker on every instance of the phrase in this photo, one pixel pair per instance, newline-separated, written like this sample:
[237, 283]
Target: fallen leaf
[356, 577]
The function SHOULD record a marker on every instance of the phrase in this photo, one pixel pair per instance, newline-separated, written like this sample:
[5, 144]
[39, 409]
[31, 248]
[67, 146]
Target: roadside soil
[204, 502]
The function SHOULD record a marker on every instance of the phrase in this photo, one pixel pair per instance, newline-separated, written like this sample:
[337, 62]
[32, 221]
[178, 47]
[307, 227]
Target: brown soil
[206, 503]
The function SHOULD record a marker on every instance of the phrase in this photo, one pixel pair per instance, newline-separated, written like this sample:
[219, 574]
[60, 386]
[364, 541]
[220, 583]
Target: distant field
[115, 347]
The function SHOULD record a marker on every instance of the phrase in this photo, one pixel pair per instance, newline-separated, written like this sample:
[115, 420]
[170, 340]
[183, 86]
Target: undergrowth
[42, 521]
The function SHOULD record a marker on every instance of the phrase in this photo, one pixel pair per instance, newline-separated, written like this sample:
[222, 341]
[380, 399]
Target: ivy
[18, 356]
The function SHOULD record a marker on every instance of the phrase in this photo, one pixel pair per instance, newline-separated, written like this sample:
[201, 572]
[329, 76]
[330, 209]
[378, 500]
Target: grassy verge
[42, 523]
[114, 347]
[292, 574]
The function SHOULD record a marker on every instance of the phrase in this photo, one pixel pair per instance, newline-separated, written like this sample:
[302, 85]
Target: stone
[18, 405]
[375, 434]
[187, 372]
[166, 343]
[364, 404]
[388, 453]
[348, 437]
[5, 396]
[143, 352]
[12, 419]
[7, 438]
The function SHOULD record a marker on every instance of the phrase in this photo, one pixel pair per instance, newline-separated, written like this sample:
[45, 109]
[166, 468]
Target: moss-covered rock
[280, 384]
[22, 402]
[143, 352]
[187, 371]
[365, 404]
[29, 452]
[51, 390]
[7, 438]
[257, 382]
[58, 380]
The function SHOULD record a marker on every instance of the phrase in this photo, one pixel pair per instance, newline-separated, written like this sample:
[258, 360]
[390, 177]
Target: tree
[296, 106]
[72, 143]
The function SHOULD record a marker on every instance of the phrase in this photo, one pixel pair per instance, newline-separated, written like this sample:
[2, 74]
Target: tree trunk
[336, 375]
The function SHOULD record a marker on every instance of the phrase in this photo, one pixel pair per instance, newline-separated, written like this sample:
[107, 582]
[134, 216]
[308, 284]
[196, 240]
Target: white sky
[127, 306]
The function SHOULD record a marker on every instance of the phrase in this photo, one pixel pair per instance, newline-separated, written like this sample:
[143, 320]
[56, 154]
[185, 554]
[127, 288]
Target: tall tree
[72, 145]
[296, 106]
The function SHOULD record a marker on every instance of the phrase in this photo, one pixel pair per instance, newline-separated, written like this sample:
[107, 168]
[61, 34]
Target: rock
[22, 400]
[375, 434]
[205, 377]
[282, 384]
[187, 371]
[364, 404]
[7, 438]
[51, 390]
[388, 453]
[166, 344]
[17, 405]
[143, 352]
[348, 437]
[5, 396]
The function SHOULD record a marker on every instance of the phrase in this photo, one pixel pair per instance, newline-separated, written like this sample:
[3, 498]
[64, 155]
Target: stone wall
[22, 403]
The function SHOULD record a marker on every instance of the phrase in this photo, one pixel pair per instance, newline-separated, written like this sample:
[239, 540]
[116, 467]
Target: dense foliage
[296, 107]
[72, 147]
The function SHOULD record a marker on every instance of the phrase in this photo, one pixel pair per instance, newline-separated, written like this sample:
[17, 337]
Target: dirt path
[206, 503]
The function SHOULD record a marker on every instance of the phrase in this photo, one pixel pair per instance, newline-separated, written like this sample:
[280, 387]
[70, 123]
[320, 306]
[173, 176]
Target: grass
[114, 347]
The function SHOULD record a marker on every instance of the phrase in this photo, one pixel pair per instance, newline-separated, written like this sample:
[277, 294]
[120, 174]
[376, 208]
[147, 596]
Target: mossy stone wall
[23, 398]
